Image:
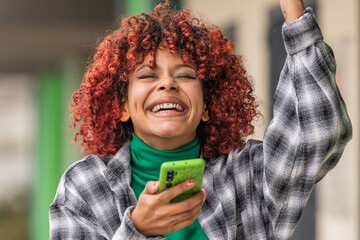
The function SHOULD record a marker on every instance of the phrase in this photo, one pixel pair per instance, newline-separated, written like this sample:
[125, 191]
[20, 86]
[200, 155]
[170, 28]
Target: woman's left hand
[292, 9]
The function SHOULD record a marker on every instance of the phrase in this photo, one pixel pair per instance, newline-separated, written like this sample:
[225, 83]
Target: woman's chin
[175, 134]
[168, 134]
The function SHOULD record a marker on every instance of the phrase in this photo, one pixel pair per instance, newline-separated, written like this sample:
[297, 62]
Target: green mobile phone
[173, 173]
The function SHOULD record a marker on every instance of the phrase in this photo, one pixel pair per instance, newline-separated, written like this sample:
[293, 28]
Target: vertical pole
[48, 161]
[133, 7]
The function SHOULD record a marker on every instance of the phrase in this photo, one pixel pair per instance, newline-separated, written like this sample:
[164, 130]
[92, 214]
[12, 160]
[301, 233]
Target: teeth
[167, 106]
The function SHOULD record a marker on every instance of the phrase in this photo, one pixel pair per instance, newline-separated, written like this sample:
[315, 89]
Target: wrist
[133, 218]
[292, 9]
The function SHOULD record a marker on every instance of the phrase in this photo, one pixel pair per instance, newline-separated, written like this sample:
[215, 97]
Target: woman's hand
[292, 9]
[154, 214]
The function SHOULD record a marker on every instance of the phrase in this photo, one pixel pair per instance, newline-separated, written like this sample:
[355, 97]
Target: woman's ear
[205, 114]
[125, 114]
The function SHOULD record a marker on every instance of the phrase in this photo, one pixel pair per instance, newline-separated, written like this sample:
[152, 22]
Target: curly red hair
[228, 93]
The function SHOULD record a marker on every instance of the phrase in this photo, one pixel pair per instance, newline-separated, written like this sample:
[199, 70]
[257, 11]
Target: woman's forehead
[165, 57]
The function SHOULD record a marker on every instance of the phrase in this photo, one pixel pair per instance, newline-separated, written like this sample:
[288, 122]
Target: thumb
[151, 187]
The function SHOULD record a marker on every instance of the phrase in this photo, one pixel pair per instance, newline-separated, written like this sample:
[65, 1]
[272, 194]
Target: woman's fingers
[185, 219]
[181, 216]
[173, 222]
[188, 204]
[168, 194]
[151, 187]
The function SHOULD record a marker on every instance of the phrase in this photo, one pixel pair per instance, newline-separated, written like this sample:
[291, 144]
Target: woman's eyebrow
[141, 67]
[177, 66]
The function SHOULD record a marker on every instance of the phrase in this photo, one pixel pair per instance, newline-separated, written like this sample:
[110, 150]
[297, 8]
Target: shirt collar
[119, 165]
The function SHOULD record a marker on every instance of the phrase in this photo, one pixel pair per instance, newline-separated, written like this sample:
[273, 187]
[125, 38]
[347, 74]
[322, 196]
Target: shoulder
[90, 167]
[81, 178]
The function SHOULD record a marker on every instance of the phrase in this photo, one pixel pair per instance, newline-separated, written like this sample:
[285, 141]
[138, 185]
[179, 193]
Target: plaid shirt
[258, 192]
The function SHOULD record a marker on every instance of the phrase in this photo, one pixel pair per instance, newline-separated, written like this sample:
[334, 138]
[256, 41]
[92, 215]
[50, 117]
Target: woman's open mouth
[167, 107]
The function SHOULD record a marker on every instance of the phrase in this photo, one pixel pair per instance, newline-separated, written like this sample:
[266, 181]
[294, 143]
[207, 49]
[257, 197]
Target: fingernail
[154, 184]
[205, 194]
[191, 182]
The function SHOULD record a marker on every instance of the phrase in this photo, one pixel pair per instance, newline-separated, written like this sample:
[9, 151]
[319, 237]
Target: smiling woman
[166, 87]
[165, 103]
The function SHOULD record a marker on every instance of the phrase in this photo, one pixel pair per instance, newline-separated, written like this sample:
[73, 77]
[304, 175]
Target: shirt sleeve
[309, 129]
[71, 216]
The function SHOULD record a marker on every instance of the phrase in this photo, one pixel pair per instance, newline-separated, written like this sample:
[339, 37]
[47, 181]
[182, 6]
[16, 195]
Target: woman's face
[165, 104]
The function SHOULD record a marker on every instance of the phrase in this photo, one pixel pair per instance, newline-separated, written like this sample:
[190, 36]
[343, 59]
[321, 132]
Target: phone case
[173, 173]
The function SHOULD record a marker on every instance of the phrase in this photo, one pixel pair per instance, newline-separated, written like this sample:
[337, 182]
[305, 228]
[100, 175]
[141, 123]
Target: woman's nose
[168, 83]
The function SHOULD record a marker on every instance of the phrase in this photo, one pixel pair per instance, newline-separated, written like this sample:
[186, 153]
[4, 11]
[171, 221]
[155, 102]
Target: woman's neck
[168, 143]
[143, 152]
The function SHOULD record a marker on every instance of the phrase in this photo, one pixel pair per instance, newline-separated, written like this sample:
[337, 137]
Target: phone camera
[170, 175]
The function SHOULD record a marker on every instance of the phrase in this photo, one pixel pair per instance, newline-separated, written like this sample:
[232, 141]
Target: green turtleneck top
[145, 166]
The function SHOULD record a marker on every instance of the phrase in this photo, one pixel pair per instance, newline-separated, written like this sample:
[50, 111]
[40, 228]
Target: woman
[165, 87]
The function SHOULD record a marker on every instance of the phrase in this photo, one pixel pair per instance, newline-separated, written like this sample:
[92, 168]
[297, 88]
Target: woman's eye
[149, 75]
[184, 75]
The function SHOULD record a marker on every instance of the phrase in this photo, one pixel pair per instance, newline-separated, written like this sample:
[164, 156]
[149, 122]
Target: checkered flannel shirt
[258, 192]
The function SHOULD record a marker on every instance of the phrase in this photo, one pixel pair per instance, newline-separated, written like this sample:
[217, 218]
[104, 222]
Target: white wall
[17, 134]
[338, 195]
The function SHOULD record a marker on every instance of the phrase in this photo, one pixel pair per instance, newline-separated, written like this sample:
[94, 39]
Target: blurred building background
[44, 46]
